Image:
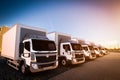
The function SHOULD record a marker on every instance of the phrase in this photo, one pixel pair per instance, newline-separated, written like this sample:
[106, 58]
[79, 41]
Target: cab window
[66, 47]
[27, 46]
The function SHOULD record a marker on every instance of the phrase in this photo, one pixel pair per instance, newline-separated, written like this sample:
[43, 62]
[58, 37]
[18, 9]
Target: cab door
[26, 53]
[67, 51]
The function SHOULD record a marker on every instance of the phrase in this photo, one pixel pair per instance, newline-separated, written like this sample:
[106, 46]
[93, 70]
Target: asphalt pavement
[102, 68]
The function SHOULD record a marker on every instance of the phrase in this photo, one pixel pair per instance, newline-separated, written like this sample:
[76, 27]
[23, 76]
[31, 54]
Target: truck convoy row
[68, 51]
[32, 49]
[87, 49]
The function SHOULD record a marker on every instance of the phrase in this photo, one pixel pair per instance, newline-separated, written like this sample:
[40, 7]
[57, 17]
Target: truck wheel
[6, 60]
[23, 69]
[90, 57]
[95, 56]
[101, 54]
[63, 62]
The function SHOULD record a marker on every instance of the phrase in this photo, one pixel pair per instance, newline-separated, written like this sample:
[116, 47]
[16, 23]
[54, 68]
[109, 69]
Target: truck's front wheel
[63, 62]
[23, 69]
[90, 56]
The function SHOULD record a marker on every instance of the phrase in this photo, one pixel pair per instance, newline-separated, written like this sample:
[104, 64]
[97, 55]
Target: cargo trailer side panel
[63, 38]
[59, 38]
[9, 43]
[51, 36]
[25, 31]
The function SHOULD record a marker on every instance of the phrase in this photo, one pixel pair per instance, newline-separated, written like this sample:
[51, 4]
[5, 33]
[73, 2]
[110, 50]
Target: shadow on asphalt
[8, 73]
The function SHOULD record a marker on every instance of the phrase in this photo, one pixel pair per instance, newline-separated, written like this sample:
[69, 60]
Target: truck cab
[68, 50]
[39, 54]
[88, 52]
[70, 53]
[103, 50]
[98, 51]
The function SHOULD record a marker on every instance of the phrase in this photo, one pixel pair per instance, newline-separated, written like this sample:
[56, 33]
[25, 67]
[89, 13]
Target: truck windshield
[96, 48]
[91, 47]
[85, 48]
[76, 46]
[43, 45]
[102, 49]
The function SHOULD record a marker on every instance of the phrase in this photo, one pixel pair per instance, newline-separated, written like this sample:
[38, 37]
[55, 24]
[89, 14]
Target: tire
[95, 56]
[23, 69]
[63, 62]
[102, 54]
[90, 56]
[6, 60]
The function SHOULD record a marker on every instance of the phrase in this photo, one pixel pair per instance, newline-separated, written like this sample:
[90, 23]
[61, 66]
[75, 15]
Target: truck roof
[85, 45]
[59, 33]
[29, 27]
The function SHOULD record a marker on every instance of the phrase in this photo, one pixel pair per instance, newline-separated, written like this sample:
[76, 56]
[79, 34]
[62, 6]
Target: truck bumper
[93, 56]
[99, 55]
[37, 67]
[78, 60]
[90, 57]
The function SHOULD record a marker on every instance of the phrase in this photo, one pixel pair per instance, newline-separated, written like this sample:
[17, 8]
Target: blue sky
[92, 21]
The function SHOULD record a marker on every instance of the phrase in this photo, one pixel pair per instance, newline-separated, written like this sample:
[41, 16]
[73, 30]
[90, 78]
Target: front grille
[46, 65]
[93, 54]
[78, 55]
[44, 59]
[80, 59]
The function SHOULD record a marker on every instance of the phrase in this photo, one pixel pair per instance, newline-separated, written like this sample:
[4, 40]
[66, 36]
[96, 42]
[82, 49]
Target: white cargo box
[13, 37]
[59, 37]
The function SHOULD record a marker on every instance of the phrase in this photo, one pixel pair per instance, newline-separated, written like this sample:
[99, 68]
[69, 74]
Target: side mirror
[21, 48]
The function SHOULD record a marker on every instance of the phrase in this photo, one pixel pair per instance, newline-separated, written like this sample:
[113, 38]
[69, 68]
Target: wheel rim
[23, 68]
[101, 54]
[90, 56]
[63, 62]
[95, 55]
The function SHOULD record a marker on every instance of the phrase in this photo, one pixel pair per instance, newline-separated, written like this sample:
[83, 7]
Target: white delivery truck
[98, 51]
[68, 51]
[28, 49]
[106, 50]
[103, 50]
[87, 50]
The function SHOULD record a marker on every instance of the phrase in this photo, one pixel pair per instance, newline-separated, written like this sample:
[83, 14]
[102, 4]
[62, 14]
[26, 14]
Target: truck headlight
[73, 54]
[35, 66]
[32, 56]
